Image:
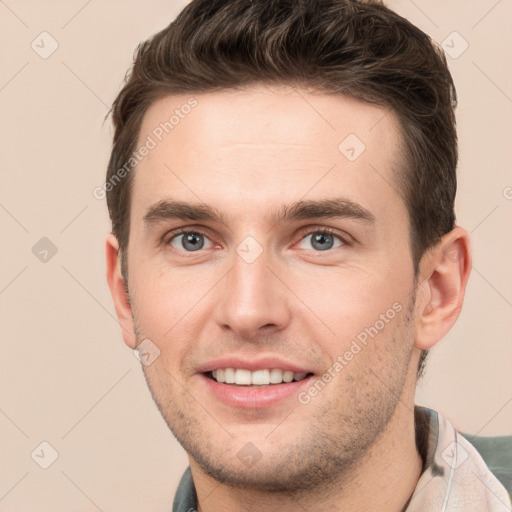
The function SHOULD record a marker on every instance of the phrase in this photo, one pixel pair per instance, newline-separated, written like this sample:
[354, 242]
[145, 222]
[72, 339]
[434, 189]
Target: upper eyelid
[343, 236]
[170, 236]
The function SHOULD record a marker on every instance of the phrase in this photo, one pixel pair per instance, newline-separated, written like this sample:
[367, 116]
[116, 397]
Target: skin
[247, 153]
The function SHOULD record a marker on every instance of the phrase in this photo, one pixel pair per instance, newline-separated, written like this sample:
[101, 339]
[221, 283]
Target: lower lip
[246, 397]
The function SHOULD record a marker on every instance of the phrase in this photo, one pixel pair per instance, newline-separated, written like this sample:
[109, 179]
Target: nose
[252, 300]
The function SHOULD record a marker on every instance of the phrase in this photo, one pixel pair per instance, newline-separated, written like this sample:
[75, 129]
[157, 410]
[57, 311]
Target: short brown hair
[357, 48]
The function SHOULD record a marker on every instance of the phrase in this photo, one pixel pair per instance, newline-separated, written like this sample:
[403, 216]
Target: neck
[383, 480]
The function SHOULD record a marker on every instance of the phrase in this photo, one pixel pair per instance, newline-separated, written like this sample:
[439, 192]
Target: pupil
[321, 237]
[194, 240]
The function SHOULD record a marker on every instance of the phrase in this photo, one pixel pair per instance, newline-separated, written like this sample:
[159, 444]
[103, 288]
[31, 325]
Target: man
[284, 253]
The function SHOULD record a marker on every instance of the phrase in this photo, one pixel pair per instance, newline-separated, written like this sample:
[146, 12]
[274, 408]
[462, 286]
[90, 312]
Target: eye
[190, 241]
[323, 239]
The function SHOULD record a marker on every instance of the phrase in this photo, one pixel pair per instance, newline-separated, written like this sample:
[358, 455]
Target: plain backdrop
[66, 377]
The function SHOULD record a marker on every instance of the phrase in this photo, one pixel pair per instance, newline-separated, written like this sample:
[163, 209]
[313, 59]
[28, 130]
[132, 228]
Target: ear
[119, 293]
[444, 272]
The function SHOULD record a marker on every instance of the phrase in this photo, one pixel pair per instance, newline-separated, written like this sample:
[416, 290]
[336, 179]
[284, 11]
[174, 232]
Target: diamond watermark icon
[44, 250]
[452, 253]
[146, 352]
[351, 147]
[454, 455]
[454, 45]
[44, 45]
[249, 454]
[44, 455]
[249, 249]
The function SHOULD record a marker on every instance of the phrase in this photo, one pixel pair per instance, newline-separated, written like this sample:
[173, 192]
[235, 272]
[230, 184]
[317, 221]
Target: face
[287, 257]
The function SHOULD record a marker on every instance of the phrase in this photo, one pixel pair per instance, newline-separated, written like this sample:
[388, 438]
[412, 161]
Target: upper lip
[252, 363]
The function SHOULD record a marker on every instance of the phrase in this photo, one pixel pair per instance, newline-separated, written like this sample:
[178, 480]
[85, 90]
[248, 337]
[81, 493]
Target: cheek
[171, 309]
[160, 296]
[351, 298]
[361, 314]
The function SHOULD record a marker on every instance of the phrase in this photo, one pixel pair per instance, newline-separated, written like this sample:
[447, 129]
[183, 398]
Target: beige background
[66, 377]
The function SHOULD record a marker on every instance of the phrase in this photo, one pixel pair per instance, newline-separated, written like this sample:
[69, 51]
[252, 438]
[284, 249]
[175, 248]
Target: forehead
[240, 148]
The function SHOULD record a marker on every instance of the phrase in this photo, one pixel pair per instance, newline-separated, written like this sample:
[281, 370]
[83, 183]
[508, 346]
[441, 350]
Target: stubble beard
[326, 452]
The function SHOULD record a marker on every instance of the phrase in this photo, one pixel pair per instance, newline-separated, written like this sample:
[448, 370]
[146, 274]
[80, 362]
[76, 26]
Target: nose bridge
[251, 296]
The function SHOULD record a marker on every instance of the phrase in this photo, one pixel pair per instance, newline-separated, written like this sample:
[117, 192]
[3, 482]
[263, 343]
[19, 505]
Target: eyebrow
[300, 210]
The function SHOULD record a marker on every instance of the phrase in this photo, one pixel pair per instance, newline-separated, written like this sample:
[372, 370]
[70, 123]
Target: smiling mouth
[255, 379]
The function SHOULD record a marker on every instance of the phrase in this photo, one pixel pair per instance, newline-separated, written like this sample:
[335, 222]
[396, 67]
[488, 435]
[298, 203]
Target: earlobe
[444, 274]
[119, 293]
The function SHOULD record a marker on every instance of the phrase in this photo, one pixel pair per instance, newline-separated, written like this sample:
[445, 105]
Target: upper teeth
[259, 377]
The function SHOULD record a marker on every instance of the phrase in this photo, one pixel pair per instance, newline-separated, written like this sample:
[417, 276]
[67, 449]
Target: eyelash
[324, 231]
[169, 237]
